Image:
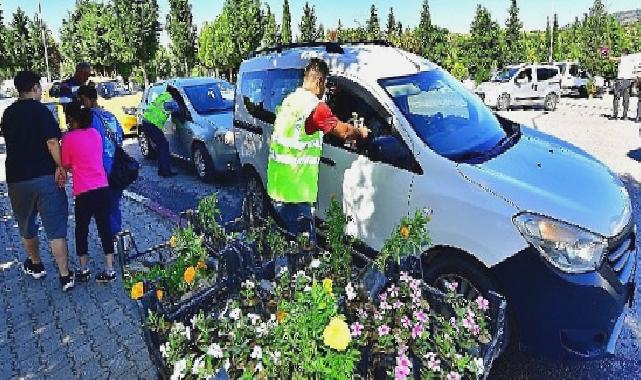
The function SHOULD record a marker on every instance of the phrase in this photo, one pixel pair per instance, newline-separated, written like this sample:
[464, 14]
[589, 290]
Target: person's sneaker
[83, 275]
[33, 270]
[106, 276]
[67, 282]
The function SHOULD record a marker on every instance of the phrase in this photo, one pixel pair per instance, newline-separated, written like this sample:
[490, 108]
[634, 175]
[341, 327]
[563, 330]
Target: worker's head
[28, 85]
[83, 72]
[88, 96]
[315, 79]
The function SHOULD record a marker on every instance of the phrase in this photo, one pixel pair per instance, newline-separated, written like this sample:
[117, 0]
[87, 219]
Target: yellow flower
[327, 285]
[280, 316]
[189, 275]
[137, 290]
[405, 232]
[336, 334]
[172, 241]
[160, 294]
[201, 265]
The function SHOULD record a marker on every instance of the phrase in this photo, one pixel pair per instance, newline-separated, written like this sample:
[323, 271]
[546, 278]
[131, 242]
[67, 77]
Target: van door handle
[327, 161]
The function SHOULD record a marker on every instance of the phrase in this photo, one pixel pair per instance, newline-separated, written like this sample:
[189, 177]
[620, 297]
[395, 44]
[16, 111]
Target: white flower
[187, 332]
[179, 368]
[215, 351]
[249, 284]
[350, 292]
[261, 329]
[259, 367]
[480, 366]
[307, 288]
[164, 348]
[275, 356]
[272, 318]
[254, 318]
[282, 271]
[226, 366]
[315, 263]
[405, 277]
[199, 364]
[193, 320]
[235, 314]
[257, 353]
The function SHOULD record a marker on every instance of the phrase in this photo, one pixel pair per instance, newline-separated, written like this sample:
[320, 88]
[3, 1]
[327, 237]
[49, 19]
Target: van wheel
[255, 204]
[550, 102]
[202, 162]
[471, 278]
[146, 149]
[503, 102]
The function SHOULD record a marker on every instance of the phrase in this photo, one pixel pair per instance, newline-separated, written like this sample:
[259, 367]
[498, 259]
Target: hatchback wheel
[503, 102]
[550, 102]
[202, 163]
[146, 149]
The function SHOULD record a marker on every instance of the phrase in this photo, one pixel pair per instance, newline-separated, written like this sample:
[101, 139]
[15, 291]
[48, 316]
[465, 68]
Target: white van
[513, 210]
[522, 85]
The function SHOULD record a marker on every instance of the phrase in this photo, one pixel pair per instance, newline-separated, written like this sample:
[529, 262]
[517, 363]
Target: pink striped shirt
[82, 153]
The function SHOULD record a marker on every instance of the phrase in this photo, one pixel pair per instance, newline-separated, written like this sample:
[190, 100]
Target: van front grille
[622, 253]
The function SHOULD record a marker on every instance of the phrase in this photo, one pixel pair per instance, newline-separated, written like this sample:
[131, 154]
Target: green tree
[391, 32]
[286, 30]
[373, 26]
[5, 63]
[433, 40]
[38, 62]
[271, 36]
[484, 47]
[321, 32]
[137, 21]
[182, 33]
[555, 38]
[20, 50]
[599, 33]
[513, 35]
[307, 26]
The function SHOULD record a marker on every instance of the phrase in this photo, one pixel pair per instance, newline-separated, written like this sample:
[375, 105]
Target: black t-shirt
[26, 127]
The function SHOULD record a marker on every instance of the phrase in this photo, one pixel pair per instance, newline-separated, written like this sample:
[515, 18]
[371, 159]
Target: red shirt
[321, 119]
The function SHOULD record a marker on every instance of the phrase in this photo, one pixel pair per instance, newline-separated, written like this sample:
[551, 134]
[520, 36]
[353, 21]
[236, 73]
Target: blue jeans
[290, 216]
[115, 216]
[161, 145]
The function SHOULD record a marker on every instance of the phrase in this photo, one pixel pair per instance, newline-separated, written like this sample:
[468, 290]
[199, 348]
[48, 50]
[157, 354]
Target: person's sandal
[34, 270]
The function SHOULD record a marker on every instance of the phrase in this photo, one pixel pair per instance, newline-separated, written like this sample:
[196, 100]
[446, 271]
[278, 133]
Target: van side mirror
[391, 150]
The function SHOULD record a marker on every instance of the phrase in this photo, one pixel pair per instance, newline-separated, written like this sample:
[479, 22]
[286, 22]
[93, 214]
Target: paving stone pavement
[91, 332]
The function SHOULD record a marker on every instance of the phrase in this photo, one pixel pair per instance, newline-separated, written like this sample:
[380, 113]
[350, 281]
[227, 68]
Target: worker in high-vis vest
[296, 147]
[153, 125]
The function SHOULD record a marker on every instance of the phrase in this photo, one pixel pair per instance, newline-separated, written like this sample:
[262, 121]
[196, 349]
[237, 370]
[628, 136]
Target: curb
[152, 205]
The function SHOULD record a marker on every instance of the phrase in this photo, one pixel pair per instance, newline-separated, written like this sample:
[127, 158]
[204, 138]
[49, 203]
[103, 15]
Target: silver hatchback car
[200, 128]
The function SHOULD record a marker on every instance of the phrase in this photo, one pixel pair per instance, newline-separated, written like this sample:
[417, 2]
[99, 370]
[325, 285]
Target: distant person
[112, 135]
[153, 125]
[638, 119]
[82, 155]
[624, 81]
[69, 87]
[35, 176]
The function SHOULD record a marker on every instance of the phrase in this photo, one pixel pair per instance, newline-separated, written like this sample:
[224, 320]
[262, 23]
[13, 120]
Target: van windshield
[505, 75]
[207, 99]
[447, 117]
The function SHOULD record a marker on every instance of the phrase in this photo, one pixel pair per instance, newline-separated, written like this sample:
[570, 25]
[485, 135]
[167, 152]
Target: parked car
[513, 210]
[575, 80]
[522, 85]
[200, 128]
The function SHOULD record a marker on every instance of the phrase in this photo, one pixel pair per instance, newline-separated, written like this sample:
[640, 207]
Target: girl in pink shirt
[82, 155]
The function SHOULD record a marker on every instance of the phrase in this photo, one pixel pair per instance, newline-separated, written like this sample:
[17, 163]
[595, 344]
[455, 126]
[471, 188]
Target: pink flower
[453, 376]
[468, 323]
[357, 329]
[384, 305]
[420, 315]
[433, 364]
[453, 321]
[398, 304]
[362, 314]
[401, 373]
[383, 330]
[393, 291]
[382, 297]
[482, 303]
[452, 286]
[403, 361]
[476, 330]
[415, 284]
[405, 321]
[378, 316]
[417, 330]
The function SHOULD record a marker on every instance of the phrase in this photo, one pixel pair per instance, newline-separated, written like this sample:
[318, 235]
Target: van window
[253, 89]
[154, 92]
[574, 70]
[525, 74]
[446, 116]
[544, 73]
[282, 83]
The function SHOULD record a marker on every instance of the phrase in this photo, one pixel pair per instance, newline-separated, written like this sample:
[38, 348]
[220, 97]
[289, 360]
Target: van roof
[367, 61]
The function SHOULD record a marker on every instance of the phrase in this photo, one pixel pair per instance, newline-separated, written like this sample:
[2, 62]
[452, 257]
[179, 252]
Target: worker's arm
[54, 149]
[347, 132]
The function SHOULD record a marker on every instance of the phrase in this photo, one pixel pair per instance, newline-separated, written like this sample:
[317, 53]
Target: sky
[455, 15]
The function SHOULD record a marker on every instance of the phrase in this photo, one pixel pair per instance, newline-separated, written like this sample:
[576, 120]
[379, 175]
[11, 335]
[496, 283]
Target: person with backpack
[112, 136]
[82, 153]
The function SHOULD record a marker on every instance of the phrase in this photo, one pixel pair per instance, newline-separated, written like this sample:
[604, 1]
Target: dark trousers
[622, 89]
[94, 204]
[639, 100]
[161, 146]
[296, 218]
[115, 216]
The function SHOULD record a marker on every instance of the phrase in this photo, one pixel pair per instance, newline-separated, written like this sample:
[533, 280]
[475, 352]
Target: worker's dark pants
[639, 102]
[622, 89]
[296, 218]
[161, 145]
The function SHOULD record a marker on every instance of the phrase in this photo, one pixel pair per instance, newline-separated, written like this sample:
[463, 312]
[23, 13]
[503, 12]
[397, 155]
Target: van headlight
[567, 247]
[226, 138]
